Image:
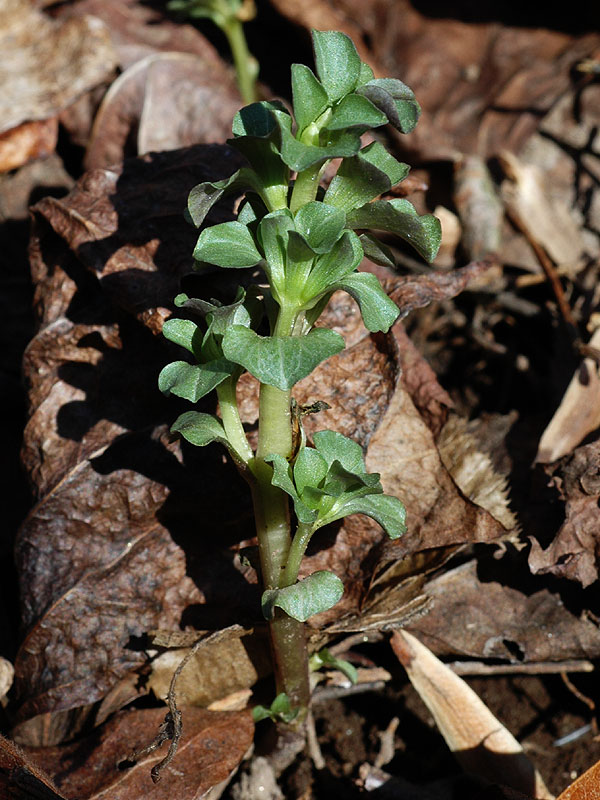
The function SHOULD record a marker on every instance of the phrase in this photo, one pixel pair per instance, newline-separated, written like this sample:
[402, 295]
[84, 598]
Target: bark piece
[481, 744]
[47, 64]
[574, 552]
[212, 746]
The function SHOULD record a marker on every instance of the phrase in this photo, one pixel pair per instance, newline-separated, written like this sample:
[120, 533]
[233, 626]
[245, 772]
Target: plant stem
[305, 187]
[296, 553]
[246, 66]
[271, 509]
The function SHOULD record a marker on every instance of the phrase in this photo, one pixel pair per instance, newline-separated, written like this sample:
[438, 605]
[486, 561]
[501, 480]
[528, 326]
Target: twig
[312, 743]
[531, 668]
[320, 695]
[387, 750]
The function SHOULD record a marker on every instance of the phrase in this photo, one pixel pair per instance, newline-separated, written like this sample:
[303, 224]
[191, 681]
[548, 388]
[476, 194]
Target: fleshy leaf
[325, 659]
[388, 511]
[356, 111]
[280, 361]
[310, 468]
[282, 477]
[337, 62]
[321, 225]
[309, 97]
[193, 381]
[199, 428]
[203, 196]
[185, 333]
[313, 594]
[378, 312]
[273, 232]
[229, 244]
[334, 446]
[377, 251]
[331, 267]
[299, 156]
[255, 119]
[368, 174]
[399, 216]
[395, 99]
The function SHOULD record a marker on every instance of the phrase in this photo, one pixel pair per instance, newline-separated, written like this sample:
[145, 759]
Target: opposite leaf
[318, 592]
[193, 381]
[338, 64]
[280, 361]
[229, 244]
[378, 312]
[199, 428]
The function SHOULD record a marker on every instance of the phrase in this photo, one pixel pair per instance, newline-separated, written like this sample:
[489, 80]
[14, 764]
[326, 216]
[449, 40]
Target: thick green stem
[305, 187]
[296, 554]
[271, 509]
[246, 66]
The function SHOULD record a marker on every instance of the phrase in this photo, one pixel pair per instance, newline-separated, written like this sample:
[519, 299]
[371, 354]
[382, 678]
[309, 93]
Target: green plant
[229, 16]
[305, 240]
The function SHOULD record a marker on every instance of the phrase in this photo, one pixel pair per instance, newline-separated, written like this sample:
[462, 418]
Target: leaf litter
[107, 554]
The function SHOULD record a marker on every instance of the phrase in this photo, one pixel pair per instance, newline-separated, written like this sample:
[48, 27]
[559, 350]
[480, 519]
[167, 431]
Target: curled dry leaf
[578, 413]
[586, 787]
[211, 747]
[505, 623]
[21, 776]
[574, 551]
[46, 64]
[481, 744]
[26, 142]
[168, 100]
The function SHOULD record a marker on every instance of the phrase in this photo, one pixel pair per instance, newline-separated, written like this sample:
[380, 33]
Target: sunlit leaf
[337, 62]
[313, 594]
[378, 312]
[395, 99]
[321, 225]
[183, 332]
[309, 96]
[356, 111]
[229, 244]
[199, 428]
[193, 381]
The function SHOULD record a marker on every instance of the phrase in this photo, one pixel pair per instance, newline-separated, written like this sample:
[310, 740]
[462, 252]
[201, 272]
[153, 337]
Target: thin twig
[312, 743]
[531, 668]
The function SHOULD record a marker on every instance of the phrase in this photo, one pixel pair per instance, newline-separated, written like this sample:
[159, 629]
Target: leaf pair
[329, 481]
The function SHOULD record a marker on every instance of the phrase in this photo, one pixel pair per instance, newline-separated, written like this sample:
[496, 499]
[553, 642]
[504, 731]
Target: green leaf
[280, 361]
[356, 111]
[395, 99]
[377, 251]
[229, 244]
[331, 267]
[310, 469]
[320, 224]
[398, 216]
[193, 381]
[256, 119]
[334, 446]
[203, 196]
[388, 511]
[282, 478]
[366, 74]
[272, 235]
[185, 333]
[299, 156]
[309, 97]
[199, 428]
[325, 659]
[313, 594]
[338, 64]
[378, 312]
[371, 172]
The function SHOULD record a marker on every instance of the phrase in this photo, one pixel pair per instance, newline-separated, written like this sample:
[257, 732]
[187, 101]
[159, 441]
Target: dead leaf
[167, 100]
[586, 787]
[481, 744]
[578, 413]
[212, 746]
[518, 625]
[479, 207]
[46, 64]
[26, 142]
[20, 776]
[573, 553]
[548, 222]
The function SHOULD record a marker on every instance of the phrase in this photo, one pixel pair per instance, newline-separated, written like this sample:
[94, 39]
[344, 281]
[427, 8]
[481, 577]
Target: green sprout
[308, 243]
[229, 16]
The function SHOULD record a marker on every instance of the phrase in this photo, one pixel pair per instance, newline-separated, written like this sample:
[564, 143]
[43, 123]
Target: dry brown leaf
[578, 413]
[26, 142]
[212, 746]
[574, 551]
[46, 64]
[474, 613]
[165, 100]
[586, 787]
[548, 222]
[481, 744]
[20, 776]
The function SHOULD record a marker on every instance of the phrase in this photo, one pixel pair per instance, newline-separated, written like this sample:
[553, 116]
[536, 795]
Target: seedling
[307, 243]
